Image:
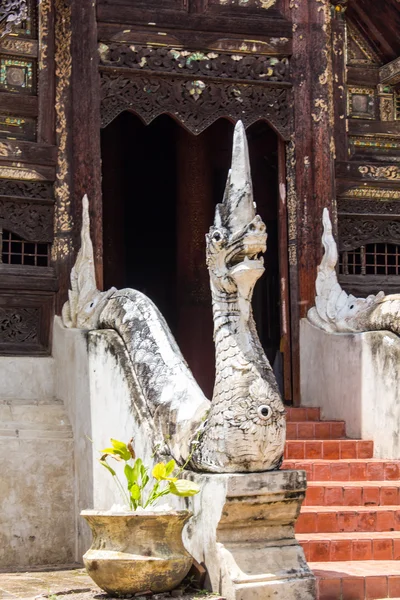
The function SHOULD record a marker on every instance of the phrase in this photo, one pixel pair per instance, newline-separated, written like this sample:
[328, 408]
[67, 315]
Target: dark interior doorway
[160, 188]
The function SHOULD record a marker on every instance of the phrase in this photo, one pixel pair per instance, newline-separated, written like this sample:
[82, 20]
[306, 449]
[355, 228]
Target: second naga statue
[243, 428]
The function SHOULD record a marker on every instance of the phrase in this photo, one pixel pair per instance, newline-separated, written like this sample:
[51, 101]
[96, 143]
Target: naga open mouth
[249, 253]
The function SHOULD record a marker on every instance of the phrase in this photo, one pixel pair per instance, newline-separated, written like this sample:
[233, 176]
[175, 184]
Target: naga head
[85, 301]
[335, 310]
[238, 238]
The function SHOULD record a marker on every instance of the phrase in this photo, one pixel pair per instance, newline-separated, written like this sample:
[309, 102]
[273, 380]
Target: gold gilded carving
[18, 46]
[44, 12]
[375, 193]
[375, 142]
[390, 73]
[7, 150]
[291, 200]
[358, 50]
[392, 172]
[63, 218]
[22, 174]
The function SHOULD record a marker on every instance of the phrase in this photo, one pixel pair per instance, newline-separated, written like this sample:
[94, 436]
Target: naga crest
[335, 310]
[238, 238]
[85, 301]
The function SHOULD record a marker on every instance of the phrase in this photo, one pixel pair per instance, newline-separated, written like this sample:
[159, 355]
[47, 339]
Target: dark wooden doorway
[160, 187]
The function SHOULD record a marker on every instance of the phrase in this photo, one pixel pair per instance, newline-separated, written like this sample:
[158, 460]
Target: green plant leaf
[169, 467]
[159, 471]
[107, 466]
[130, 475]
[122, 449]
[136, 468]
[183, 487]
[135, 492]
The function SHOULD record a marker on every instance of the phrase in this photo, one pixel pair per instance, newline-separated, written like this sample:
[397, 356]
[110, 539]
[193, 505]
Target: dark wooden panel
[362, 285]
[363, 76]
[196, 40]
[18, 104]
[28, 152]
[25, 323]
[128, 14]
[360, 127]
[34, 279]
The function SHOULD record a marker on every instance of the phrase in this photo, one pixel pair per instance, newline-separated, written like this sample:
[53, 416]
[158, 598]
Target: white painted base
[243, 532]
[355, 377]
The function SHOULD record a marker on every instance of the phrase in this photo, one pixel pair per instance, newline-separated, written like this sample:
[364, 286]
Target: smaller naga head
[85, 301]
[238, 238]
[335, 311]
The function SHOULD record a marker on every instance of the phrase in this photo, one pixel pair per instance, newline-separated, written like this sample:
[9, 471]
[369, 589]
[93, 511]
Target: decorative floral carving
[152, 96]
[391, 172]
[26, 189]
[368, 207]
[372, 192]
[63, 218]
[355, 231]
[12, 14]
[31, 221]
[19, 325]
[199, 64]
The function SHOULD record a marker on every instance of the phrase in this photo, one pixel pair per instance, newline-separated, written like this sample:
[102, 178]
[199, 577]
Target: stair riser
[328, 450]
[358, 588]
[338, 550]
[325, 430]
[352, 496]
[303, 414]
[346, 471]
[335, 522]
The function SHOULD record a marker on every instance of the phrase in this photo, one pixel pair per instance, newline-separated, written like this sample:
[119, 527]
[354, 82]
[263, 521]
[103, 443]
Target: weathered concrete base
[37, 476]
[243, 532]
[354, 376]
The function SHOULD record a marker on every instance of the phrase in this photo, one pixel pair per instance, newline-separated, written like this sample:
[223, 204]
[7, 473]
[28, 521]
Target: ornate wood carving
[365, 206]
[356, 231]
[196, 103]
[26, 189]
[25, 319]
[390, 73]
[19, 325]
[30, 220]
[195, 64]
[12, 14]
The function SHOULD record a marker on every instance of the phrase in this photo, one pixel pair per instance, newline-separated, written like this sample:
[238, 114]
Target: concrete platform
[72, 583]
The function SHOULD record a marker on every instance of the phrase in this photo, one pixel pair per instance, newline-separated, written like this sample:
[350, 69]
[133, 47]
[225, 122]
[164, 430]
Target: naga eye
[264, 412]
[217, 236]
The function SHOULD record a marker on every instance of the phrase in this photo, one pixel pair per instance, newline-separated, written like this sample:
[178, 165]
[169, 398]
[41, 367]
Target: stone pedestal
[243, 533]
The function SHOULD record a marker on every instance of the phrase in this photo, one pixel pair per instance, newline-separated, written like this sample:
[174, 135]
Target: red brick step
[347, 470]
[302, 414]
[352, 493]
[346, 546]
[357, 580]
[332, 519]
[316, 430]
[328, 449]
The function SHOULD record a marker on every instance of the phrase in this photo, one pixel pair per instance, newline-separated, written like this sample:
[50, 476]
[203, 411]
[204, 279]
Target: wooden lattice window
[16, 251]
[371, 259]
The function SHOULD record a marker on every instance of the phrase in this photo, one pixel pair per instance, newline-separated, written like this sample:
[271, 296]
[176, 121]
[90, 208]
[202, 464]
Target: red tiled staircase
[349, 525]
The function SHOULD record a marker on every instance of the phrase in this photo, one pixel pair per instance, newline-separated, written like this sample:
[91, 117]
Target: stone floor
[72, 583]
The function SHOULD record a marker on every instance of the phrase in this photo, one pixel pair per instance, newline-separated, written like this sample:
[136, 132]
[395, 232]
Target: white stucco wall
[97, 391]
[354, 377]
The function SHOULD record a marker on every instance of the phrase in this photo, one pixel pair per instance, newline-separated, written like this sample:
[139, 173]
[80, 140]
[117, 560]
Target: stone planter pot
[134, 553]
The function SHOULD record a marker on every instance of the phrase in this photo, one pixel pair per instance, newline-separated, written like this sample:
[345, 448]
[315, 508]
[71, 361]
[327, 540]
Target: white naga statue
[338, 312]
[243, 428]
